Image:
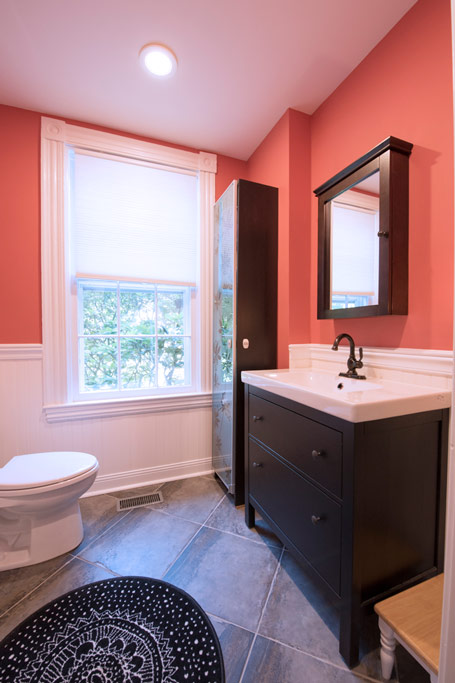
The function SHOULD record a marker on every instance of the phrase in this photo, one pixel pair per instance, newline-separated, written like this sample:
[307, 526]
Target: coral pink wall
[228, 169]
[20, 286]
[270, 165]
[299, 228]
[282, 160]
[402, 88]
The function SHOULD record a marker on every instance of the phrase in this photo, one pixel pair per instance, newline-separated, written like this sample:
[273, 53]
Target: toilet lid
[41, 469]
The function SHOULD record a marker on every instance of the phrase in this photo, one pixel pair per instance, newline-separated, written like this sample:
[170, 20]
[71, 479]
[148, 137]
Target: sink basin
[354, 400]
[321, 382]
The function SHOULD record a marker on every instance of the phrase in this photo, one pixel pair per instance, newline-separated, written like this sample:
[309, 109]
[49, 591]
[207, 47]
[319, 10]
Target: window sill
[131, 406]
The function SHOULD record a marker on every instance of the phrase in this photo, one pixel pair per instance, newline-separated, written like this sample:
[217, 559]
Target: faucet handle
[360, 353]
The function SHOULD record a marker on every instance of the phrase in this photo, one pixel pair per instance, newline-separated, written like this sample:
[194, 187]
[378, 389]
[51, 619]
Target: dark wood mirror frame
[391, 159]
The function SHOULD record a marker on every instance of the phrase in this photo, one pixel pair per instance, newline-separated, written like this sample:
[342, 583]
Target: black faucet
[353, 363]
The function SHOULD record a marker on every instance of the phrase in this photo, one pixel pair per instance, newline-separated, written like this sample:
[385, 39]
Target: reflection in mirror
[354, 245]
[363, 235]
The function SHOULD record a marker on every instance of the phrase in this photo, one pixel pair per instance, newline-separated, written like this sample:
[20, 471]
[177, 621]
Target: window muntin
[132, 337]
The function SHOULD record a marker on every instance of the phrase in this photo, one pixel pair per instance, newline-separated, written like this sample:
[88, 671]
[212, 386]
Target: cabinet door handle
[258, 464]
[316, 454]
[257, 418]
[316, 519]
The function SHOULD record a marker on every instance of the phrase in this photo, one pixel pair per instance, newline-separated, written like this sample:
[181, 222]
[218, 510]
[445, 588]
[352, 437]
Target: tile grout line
[98, 565]
[290, 647]
[41, 583]
[71, 557]
[103, 532]
[272, 584]
[246, 538]
[192, 537]
[226, 621]
[362, 677]
[365, 677]
[150, 507]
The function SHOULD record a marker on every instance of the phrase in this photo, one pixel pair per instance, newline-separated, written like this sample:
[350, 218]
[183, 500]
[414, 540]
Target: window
[133, 252]
[132, 337]
[126, 270]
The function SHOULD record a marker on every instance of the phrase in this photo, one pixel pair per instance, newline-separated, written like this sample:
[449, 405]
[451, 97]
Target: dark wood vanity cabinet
[360, 505]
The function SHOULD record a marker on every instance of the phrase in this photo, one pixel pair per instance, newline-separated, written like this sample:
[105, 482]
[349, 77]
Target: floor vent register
[139, 501]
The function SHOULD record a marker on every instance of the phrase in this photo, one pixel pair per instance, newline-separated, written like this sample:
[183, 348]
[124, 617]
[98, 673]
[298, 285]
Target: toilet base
[29, 539]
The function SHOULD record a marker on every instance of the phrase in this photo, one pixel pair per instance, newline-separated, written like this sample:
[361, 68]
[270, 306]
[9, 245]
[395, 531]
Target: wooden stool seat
[413, 618]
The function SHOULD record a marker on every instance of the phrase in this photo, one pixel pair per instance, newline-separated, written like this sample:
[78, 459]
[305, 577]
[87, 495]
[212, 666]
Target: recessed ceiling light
[158, 59]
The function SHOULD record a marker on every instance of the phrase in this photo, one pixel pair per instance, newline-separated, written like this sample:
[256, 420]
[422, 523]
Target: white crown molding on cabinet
[21, 352]
[86, 138]
[148, 476]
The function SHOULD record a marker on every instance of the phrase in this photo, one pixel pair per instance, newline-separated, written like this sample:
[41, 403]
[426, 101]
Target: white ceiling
[242, 63]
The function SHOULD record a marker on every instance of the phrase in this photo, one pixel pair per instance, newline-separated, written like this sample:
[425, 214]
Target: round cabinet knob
[257, 464]
[316, 519]
[257, 418]
[316, 454]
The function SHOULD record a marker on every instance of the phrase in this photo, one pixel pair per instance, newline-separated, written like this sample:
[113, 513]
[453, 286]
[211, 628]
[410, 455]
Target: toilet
[39, 505]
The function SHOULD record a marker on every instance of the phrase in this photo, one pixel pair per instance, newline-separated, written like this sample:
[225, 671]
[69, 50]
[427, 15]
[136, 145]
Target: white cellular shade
[133, 220]
[355, 255]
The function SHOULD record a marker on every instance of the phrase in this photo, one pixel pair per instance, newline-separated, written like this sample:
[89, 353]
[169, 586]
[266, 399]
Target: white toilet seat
[45, 470]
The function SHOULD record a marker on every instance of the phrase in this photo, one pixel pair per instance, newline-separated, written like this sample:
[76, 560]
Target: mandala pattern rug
[121, 630]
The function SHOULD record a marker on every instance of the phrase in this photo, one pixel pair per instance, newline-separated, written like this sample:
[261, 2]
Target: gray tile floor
[274, 625]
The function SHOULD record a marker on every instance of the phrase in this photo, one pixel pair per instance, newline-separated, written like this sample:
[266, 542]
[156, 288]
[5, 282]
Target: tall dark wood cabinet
[244, 314]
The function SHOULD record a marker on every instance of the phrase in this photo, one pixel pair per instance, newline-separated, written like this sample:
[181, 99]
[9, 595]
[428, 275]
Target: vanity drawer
[309, 518]
[316, 450]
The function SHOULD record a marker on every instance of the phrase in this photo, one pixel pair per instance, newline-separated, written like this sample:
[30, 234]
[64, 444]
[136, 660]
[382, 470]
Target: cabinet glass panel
[223, 333]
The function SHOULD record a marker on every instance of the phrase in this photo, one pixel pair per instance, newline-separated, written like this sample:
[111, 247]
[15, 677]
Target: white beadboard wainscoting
[427, 367]
[139, 448]
[134, 449]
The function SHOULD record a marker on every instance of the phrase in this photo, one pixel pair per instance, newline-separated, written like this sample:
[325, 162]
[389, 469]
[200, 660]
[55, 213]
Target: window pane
[137, 311]
[100, 364]
[170, 312]
[171, 364]
[226, 359]
[227, 312]
[151, 347]
[138, 363]
[99, 309]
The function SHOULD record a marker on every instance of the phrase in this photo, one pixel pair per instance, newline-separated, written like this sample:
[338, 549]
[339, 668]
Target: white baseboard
[147, 476]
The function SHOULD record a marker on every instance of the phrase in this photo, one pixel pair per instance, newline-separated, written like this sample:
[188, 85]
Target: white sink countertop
[355, 400]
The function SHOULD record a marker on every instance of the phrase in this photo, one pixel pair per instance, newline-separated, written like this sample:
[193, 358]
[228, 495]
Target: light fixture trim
[159, 60]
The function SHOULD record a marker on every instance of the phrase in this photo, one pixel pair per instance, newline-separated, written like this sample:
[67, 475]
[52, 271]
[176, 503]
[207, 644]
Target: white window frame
[56, 136]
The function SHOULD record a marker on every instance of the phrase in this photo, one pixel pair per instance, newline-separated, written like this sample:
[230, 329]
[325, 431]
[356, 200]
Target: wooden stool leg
[388, 644]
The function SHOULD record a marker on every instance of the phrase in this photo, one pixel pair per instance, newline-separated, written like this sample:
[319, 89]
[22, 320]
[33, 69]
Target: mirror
[354, 219]
[363, 235]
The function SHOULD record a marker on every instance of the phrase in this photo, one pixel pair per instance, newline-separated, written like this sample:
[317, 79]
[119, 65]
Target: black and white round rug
[121, 630]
